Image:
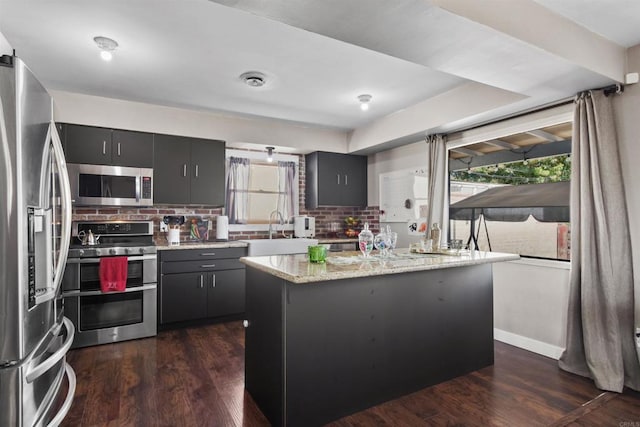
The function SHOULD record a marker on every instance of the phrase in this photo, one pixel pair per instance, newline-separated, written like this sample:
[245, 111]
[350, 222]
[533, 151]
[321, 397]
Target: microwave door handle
[65, 197]
[138, 179]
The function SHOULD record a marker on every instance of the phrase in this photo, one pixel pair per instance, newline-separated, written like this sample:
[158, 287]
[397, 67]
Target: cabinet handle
[207, 254]
[213, 281]
[207, 266]
[104, 147]
[118, 149]
[201, 281]
[346, 180]
[184, 170]
[196, 171]
[338, 175]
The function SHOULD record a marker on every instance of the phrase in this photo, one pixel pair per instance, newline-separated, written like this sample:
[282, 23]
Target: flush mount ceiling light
[364, 99]
[270, 154]
[254, 78]
[106, 46]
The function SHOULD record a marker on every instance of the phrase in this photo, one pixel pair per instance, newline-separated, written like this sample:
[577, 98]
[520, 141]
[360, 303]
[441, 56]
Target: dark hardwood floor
[194, 377]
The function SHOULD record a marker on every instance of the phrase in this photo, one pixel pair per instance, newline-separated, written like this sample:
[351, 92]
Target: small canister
[317, 253]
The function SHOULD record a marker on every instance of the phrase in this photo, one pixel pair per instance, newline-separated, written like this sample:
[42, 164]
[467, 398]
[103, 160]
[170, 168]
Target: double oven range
[99, 317]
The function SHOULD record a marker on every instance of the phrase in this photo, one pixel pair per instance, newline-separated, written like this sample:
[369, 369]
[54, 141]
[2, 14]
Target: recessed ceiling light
[106, 46]
[254, 78]
[364, 99]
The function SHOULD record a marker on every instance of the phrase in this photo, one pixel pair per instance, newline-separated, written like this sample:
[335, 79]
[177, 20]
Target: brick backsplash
[324, 215]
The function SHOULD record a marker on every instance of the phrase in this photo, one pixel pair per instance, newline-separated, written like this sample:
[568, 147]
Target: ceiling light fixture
[364, 99]
[270, 154]
[106, 46]
[254, 78]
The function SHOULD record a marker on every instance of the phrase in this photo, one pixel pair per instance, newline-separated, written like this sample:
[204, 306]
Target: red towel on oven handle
[113, 273]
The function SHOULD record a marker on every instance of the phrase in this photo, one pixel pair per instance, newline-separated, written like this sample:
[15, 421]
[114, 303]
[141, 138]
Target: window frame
[522, 123]
[261, 156]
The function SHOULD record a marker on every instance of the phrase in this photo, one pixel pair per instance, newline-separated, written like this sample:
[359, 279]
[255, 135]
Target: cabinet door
[182, 297]
[207, 172]
[226, 292]
[134, 149]
[87, 144]
[330, 179]
[171, 170]
[354, 192]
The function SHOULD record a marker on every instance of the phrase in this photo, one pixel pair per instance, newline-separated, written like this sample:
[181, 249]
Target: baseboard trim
[535, 346]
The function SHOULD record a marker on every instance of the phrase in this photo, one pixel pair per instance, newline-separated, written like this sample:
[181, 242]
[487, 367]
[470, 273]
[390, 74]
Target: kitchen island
[327, 340]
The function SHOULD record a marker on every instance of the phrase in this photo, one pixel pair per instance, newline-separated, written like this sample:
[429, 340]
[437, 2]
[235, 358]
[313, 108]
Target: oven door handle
[97, 260]
[77, 293]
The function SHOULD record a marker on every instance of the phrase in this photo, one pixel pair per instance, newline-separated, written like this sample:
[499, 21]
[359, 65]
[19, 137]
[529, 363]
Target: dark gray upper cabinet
[207, 172]
[130, 148]
[102, 146]
[334, 179]
[188, 171]
[87, 144]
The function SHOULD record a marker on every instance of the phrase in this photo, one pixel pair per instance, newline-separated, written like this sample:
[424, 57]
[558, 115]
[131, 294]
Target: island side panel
[354, 343]
[264, 345]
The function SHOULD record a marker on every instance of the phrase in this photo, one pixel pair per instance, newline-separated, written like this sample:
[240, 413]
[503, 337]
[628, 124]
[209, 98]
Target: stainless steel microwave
[101, 185]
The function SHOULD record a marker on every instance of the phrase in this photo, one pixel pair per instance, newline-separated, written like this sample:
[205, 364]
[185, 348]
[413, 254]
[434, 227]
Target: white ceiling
[318, 55]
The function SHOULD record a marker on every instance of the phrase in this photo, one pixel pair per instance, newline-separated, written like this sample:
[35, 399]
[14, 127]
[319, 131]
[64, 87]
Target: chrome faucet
[280, 221]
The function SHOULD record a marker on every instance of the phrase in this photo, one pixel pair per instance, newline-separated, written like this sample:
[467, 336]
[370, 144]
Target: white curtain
[286, 183]
[237, 196]
[438, 183]
[600, 329]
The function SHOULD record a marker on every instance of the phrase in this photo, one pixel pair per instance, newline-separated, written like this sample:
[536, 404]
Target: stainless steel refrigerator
[35, 224]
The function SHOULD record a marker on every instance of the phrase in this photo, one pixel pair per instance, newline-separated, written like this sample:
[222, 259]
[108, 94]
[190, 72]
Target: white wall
[627, 112]
[239, 132]
[530, 300]
[5, 47]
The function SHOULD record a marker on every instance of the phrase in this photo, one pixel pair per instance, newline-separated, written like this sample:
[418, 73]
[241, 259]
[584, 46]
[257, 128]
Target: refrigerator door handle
[65, 189]
[33, 372]
[66, 405]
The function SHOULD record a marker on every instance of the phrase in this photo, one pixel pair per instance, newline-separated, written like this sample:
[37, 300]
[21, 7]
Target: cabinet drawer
[199, 254]
[200, 266]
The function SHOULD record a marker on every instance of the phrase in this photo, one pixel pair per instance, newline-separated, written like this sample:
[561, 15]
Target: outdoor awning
[545, 202]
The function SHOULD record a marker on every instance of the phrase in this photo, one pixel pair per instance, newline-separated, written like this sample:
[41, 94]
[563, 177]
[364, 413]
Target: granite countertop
[346, 265]
[162, 245]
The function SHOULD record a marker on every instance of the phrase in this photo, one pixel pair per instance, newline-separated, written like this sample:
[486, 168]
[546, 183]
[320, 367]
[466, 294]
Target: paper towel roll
[222, 227]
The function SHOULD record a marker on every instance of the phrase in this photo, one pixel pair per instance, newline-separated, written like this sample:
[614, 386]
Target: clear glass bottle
[381, 243]
[435, 237]
[393, 238]
[365, 240]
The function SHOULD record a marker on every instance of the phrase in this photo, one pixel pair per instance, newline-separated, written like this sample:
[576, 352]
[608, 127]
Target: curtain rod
[617, 88]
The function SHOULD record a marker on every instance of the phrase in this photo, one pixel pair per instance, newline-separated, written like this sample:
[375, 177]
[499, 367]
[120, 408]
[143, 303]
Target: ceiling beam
[568, 40]
[502, 144]
[540, 150]
[468, 152]
[549, 137]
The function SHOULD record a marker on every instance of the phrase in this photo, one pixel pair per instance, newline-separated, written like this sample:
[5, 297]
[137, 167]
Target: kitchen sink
[261, 247]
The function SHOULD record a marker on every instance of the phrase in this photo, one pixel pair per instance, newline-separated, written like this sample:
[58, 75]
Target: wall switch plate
[163, 227]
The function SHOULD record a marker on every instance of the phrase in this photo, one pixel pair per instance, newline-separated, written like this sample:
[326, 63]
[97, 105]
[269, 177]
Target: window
[256, 188]
[532, 219]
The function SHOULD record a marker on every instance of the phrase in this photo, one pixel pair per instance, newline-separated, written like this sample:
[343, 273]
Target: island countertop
[345, 265]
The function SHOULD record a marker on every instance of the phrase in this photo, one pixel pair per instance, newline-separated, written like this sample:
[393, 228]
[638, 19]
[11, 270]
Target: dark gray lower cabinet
[198, 284]
[183, 297]
[224, 296]
[316, 352]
